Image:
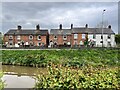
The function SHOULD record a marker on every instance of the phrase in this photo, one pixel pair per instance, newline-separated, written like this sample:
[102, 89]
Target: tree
[117, 38]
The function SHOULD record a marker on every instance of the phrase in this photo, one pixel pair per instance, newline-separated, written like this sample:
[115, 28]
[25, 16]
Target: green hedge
[75, 58]
[87, 77]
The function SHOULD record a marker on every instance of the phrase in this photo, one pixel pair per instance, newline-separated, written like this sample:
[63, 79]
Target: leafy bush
[41, 58]
[88, 77]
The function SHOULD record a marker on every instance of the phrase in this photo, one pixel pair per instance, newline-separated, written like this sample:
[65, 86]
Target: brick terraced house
[78, 36]
[60, 37]
[26, 37]
[72, 37]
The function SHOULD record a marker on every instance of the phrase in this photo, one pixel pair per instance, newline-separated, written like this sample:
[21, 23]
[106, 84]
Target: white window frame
[31, 43]
[68, 43]
[10, 37]
[64, 37]
[38, 37]
[30, 36]
[40, 43]
[55, 36]
[81, 42]
[75, 36]
[6, 43]
[11, 44]
[18, 37]
[83, 36]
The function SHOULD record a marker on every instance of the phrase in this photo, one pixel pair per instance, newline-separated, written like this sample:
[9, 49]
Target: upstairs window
[10, 37]
[64, 37]
[39, 37]
[83, 36]
[30, 37]
[18, 37]
[55, 37]
[75, 36]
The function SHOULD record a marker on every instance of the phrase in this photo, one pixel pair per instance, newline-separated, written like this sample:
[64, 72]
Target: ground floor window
[75, 42]
[18, 43]
[6, 43]
[55, 43]
[31, 43]
[81, 42]
[65, 43]
[26, 43]
[101, 41]
[39, 43]
[68, 43]
[109, 44]
[11, 43]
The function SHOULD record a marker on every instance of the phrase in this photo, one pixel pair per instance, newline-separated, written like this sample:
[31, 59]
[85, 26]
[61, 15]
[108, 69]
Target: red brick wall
[60, 40]
[25, 38]
[78, 39]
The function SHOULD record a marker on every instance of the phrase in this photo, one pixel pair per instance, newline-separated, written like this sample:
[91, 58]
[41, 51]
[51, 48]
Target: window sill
[39, 39]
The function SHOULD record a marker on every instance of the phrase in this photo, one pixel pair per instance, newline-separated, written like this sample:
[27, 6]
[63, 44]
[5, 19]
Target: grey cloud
[50, 14]
[60, 0]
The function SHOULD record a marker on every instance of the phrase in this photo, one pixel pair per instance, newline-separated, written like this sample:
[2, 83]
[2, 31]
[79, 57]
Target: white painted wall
[105, 40]
[113, 43]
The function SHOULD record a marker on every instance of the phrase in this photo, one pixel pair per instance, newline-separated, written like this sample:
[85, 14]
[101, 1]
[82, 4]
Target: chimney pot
[60, 26]
[19, 27]
[86, 26]
[38, 27]
[71, 26]
[109, 26]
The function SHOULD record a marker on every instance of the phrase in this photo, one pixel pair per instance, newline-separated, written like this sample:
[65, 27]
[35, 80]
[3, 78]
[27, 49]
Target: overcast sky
[50, 15]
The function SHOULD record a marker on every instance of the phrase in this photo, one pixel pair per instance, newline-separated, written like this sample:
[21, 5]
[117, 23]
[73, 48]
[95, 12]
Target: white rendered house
[105, 39]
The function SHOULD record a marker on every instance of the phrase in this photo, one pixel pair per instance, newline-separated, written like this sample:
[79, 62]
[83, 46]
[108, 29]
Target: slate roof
[82, 30]
[93, 30]
[61, 32]
[26, 32]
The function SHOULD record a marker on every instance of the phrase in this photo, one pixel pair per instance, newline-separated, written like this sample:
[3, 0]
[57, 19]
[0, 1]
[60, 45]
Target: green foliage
[1, 83]
[117, 38]
[88, 77]
[74, 58]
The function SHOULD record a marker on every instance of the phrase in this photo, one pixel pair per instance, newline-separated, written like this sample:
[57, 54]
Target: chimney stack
[38, 27]
[71, 26]
[60, 26]
[19, 27]
[86, 26]
[109, 26]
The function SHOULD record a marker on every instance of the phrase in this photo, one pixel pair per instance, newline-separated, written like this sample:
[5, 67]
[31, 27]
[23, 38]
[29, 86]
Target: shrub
[59, 77]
